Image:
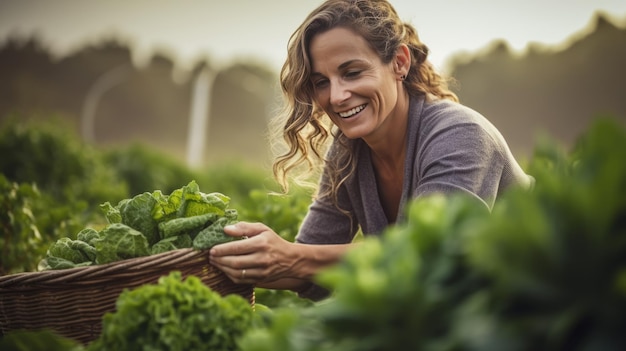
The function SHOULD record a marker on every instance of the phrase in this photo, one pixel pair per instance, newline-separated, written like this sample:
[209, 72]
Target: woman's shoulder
[444, 112]
[450, 122]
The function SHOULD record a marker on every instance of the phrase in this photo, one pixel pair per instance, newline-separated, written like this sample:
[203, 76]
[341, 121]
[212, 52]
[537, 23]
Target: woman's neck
[388, 146]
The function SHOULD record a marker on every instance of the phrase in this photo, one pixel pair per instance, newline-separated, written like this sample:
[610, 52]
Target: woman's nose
[338, 93]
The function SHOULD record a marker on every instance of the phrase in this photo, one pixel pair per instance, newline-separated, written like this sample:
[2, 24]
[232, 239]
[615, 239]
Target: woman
[398, 134]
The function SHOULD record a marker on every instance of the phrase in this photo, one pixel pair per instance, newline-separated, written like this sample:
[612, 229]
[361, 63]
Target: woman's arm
[267, 260]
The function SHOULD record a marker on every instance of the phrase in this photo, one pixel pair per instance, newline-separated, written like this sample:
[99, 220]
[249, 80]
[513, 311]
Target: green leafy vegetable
[148, 224]
[53, 262]
[175, 314]
[119, 242]
[137, 213]
[88, 251]
[88, 235]
[171, 243]
[67, 251]
[111, 213]
[40, 340]
[186, 225]
[195, 202]
[166, 206]
[213, 235]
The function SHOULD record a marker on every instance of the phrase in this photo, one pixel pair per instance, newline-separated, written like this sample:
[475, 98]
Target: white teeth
[352, 112]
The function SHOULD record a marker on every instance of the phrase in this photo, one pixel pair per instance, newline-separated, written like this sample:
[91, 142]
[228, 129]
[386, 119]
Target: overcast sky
[188, 30]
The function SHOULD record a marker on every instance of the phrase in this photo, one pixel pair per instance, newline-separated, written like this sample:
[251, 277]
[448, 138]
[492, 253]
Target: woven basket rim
[129, 266]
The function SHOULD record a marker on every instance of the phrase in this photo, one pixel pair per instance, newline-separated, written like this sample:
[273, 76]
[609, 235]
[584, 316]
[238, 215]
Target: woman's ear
[402, 60]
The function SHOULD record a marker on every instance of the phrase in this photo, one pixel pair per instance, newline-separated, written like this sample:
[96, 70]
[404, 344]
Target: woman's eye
[352, 74]
[320, 83]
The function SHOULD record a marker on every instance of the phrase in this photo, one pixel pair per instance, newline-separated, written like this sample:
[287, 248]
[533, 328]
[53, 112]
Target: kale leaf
[137, 214]
[171, 243]
[213, 235]
[119, 242]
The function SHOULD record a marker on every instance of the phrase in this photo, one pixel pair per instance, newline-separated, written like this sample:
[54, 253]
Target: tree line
[544, 90]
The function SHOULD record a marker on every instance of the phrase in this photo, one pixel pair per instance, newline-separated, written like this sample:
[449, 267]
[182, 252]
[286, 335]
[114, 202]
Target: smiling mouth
[352, 112]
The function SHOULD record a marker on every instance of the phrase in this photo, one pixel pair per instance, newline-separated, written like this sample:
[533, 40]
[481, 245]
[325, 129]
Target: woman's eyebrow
[348, 63]
[342, 66]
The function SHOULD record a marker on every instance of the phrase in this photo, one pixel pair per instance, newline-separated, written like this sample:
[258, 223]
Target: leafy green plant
[20, 239]
[175, 314]
[282, 213]
[68, 180]
[52, 156]
[39, 340]
[238, 180]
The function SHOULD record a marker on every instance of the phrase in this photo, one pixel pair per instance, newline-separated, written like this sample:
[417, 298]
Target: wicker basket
[72, 302]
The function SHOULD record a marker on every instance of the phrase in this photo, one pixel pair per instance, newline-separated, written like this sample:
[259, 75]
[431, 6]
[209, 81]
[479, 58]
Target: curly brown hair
[303, 127]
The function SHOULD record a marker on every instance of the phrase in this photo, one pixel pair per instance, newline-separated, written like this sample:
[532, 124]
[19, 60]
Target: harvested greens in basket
[148, 224]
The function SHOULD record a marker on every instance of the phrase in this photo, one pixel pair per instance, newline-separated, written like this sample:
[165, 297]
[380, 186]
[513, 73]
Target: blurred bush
[52, 156]
[281, 212]
[20, 239]
[52, 185]
[144, 169]
[235, 178]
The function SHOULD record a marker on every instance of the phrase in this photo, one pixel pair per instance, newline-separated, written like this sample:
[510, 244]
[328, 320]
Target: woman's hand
[263, 257]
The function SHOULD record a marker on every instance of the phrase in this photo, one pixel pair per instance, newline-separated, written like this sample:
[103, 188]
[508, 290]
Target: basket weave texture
[73, 301]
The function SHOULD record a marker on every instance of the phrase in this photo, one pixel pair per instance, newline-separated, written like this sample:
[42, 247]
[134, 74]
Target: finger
[242, 276]
[233, 248]
[249, 231]
[245, 229]
[252, 260]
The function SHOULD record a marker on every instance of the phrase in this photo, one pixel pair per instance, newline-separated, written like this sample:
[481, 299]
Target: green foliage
[403, 289]
[51, 185]
[287, 329]
[145, 169]
[20, 239]
[171, 243]
[177, 226]
[118, 242]
[282, 213]
[543, 271]
[272, 299]
[236, 179]
[69, 250]
[175, 314]
[136, 213]
[213, 235]
[557, 259]
[148, 223]
[52, 156]
[40, 340]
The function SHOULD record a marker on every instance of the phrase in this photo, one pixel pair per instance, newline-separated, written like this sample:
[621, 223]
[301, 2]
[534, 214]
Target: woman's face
[351, 84]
